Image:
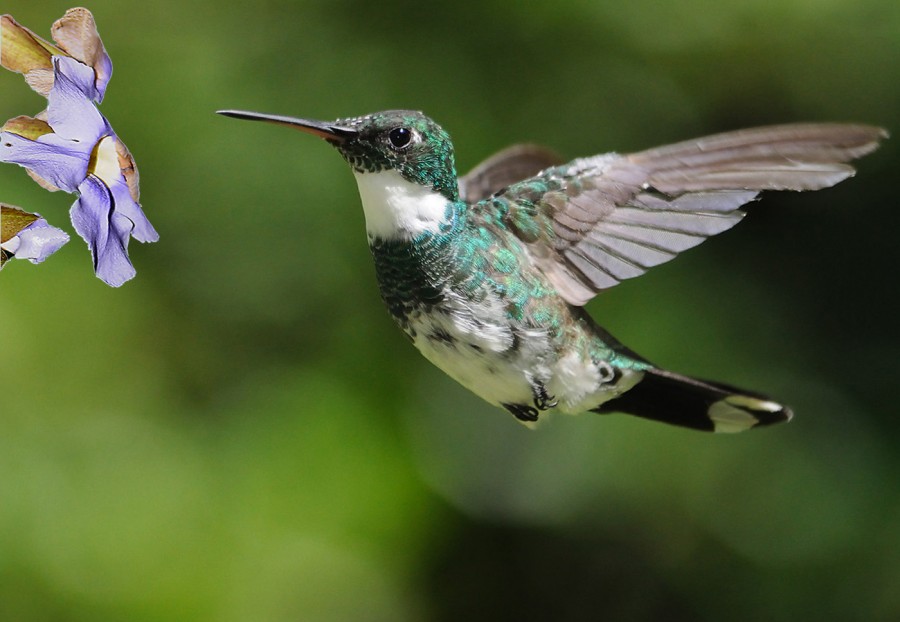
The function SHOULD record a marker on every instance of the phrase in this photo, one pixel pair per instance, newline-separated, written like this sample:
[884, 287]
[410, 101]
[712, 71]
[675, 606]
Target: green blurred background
[241, 434]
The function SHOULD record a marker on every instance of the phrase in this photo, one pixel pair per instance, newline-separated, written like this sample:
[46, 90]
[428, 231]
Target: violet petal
[105, 231]
[70, 111]
[103, 69]
[143, 231]
[39, 240]
[61, 162]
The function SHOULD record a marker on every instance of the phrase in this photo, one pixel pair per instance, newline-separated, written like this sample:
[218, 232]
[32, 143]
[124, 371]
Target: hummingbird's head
[404, 141]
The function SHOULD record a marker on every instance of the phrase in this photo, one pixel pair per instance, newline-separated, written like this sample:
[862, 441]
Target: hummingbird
[488, 274]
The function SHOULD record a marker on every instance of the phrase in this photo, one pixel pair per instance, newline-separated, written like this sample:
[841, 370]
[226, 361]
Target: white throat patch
[397, 208]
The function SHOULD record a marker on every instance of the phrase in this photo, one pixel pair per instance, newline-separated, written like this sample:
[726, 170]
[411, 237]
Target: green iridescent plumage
[429, 161]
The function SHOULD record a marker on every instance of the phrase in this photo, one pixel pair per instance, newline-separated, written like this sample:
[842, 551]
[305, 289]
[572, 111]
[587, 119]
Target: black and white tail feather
[698, 404]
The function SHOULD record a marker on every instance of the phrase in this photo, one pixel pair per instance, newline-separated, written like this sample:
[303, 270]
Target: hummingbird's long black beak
[328, 131]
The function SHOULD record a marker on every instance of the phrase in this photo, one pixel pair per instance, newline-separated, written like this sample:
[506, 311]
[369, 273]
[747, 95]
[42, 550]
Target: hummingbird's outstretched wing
[505, 168]
[596, 221]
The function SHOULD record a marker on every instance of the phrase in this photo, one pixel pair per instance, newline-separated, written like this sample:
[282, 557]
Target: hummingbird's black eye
[400, 137]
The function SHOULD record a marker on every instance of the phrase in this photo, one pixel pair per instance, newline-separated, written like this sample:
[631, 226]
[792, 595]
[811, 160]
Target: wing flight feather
[594, 222]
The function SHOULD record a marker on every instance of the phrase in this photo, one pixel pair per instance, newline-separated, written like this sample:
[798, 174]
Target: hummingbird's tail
[700, 404]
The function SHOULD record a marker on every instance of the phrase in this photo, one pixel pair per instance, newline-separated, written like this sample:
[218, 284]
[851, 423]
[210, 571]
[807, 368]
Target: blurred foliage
[241, 434]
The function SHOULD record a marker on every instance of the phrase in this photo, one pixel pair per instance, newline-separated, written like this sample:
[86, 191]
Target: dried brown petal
[24, 52]
[76, 33]
[27, 127]
[43, 183]
[129, 170]
[13, 220]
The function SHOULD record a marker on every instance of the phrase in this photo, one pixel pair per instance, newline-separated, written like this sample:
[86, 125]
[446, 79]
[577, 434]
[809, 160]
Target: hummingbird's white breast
[398, 208]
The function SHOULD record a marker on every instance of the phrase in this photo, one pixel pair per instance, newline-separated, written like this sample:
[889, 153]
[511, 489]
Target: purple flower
[71, 146]
[27, 236]
[76, 150]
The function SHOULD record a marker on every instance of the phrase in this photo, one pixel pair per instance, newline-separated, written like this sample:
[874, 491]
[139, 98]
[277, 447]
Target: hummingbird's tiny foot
[522, 412]
[542, 399]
